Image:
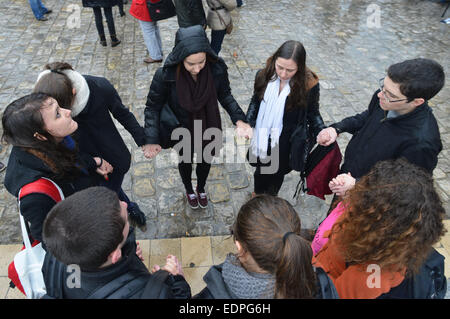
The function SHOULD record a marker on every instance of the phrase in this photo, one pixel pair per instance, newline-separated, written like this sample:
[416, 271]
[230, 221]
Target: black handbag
[161, 10]
[167, 123]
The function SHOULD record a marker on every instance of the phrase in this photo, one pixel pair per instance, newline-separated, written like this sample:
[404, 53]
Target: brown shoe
[150, 60]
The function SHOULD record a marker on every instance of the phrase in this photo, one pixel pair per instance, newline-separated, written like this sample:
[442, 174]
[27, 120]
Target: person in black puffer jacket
[100, 259]
[40, 132]
[191, 81]
[107, 5]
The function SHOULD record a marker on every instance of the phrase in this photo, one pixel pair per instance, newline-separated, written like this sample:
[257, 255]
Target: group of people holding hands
[386, 209]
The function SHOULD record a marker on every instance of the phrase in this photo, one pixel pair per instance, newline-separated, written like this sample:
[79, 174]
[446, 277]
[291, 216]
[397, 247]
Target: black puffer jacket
[163, 88]
[414, 135]
[99, 3]
[190, 12]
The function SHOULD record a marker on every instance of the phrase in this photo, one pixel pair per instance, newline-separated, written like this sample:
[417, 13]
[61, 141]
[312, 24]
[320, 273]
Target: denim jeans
[217, 37]
[152, 39]
[38, 8]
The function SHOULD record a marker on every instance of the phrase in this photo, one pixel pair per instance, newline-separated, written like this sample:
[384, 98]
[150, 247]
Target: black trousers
[109, 21]
[267, 183]
[202, 172]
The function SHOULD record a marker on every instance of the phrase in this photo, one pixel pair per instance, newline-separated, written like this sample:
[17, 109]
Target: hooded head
[189, 41]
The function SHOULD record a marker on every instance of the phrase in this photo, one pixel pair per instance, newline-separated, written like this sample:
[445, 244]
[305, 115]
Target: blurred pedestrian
[218, 19]
[39, 10]
[107, 5]
[190, 12]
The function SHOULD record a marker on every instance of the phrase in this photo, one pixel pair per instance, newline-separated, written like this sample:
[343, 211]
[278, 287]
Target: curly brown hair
[393, 217]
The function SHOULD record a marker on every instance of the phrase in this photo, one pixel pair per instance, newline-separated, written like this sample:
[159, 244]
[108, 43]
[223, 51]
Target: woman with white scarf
[284, 90]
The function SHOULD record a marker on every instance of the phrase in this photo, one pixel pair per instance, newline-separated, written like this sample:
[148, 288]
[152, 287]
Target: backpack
[326, 288]
[429, 283]
[25, 271]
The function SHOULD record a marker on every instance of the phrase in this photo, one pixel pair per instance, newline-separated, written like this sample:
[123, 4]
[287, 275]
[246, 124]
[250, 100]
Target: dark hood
[23, 168]
[189, 41]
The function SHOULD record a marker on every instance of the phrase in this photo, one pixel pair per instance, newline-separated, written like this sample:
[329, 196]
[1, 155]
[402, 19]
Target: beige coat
[212, 17]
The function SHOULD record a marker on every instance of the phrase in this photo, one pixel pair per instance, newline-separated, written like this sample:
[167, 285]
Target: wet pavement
[349, 45]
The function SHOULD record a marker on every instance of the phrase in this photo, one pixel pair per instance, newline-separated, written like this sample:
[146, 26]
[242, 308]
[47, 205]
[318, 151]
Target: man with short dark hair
[92, 253]
[398, 123]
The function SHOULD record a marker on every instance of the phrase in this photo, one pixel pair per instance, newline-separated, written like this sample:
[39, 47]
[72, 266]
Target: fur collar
[81, 87]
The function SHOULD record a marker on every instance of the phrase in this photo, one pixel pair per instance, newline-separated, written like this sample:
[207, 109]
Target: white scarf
[270, 118]
[81, 88]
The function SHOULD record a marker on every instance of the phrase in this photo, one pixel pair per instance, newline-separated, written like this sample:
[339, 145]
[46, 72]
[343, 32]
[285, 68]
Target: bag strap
[218, 14]
[113, 286]
[42, 186]
[155, 286]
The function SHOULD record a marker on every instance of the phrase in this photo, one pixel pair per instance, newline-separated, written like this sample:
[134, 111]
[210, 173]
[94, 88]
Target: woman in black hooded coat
[107, 5]
[190, 83]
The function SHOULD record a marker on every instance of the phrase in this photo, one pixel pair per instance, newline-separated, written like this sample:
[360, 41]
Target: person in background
[218, 18]
[107, 5]
[189, 13]
[39, 10]
[150, 31]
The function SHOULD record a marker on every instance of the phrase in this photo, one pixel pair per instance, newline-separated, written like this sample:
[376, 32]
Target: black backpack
[429, 283]
[326, 288]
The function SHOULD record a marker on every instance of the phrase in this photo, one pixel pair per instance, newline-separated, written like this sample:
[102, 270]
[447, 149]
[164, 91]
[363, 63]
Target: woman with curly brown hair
[383, 238]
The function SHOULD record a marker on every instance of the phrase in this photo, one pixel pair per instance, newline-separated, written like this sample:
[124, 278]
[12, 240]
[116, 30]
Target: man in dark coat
[100, 258]
[190, 12]
[398, 123]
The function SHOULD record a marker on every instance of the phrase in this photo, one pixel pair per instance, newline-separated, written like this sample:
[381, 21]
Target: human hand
[342, 183]
[244, 129]
[151, 150]
[139, 251]
[172, 266]
[327, 136]
[103, 167]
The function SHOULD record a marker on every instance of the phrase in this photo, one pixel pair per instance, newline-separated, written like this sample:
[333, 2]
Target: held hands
[173, 266]
[327, 136]
[151, 150]
[244, 130]
[103, 167]
[341, 184]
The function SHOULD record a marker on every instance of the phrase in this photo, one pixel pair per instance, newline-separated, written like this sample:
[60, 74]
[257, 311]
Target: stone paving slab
[349, 45]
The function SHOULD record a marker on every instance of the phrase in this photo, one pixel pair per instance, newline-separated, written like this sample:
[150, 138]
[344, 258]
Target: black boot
[103, 40]
[114, 41]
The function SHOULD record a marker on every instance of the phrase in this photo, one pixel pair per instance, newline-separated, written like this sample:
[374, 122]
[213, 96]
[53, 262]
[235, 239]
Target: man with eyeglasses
[398, 123]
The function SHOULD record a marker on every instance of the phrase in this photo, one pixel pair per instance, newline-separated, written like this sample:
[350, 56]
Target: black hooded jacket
[129, 278]
[24, 168]
[163, 88]
[414, 135]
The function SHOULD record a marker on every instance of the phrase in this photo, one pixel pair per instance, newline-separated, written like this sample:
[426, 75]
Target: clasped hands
[242, 130]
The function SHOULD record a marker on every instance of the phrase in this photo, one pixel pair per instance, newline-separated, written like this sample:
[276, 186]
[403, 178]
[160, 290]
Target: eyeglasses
[381, 82]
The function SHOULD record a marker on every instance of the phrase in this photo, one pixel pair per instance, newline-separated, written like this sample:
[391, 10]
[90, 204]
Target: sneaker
[136, 215]
[202, 199]
[192, 200]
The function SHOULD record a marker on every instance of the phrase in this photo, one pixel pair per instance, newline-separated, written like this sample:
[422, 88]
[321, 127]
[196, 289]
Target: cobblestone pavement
[349, 44]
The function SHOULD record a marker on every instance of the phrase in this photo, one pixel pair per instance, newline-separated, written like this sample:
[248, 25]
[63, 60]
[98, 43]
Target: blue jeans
[38, 8]
[152, 39]
[217, 39]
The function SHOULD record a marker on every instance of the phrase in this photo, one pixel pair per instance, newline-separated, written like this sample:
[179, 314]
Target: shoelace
[192, 196]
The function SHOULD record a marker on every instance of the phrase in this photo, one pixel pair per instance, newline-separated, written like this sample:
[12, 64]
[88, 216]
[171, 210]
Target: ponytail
[295, 277]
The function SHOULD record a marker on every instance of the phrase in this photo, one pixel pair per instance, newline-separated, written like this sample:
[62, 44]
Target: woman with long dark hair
[283, 92]
[272, 260]
[191, 82]
[40, 132]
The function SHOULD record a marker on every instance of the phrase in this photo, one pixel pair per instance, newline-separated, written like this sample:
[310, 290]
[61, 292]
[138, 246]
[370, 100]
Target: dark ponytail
[260, 227]
[57, 84]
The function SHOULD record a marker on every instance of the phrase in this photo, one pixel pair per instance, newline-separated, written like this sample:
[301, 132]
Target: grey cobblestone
[348, 56]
